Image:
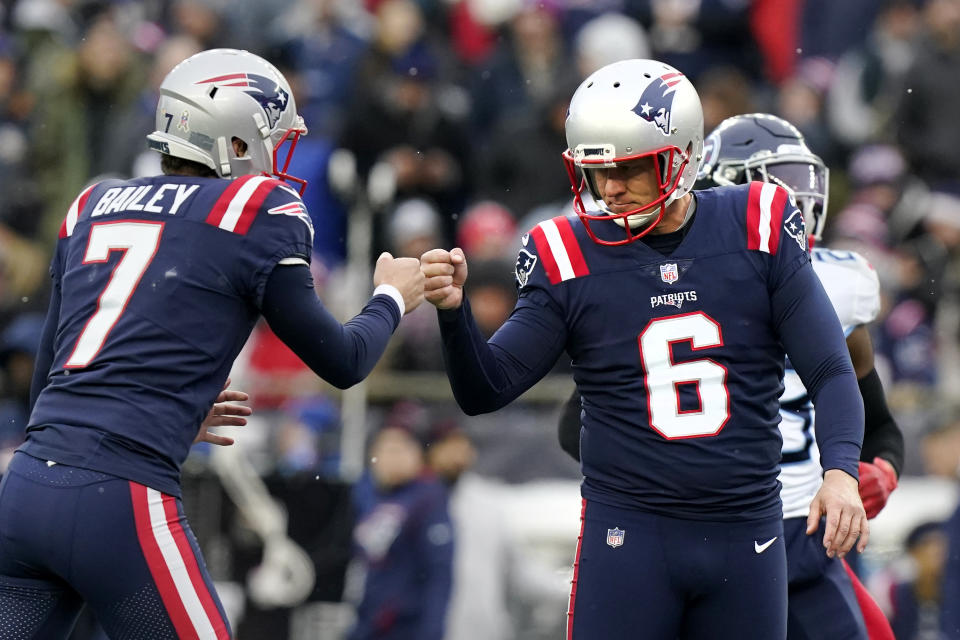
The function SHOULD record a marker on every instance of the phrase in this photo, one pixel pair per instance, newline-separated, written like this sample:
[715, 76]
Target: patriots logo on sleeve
[272, 97]
[526, 261]
[296, 209]
[795, 227]
[656, 101]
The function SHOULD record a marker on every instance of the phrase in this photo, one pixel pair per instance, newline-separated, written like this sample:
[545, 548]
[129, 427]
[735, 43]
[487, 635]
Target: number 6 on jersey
[663, 376]
[139, 242]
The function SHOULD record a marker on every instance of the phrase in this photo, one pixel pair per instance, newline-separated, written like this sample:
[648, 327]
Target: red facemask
[292, 136]
[666, 185]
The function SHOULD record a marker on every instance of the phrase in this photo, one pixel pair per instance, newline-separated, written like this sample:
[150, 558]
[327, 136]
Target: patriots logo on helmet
[272, 97]
[656, 101]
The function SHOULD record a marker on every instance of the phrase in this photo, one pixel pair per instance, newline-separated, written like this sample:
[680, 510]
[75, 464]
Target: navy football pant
[669, 579]
[70, 535]
[823, 603]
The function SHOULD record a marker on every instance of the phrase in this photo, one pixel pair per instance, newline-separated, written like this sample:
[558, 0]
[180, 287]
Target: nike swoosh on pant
[760, 548]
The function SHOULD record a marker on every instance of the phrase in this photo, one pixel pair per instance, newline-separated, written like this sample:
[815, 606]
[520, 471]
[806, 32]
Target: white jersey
[853, 288]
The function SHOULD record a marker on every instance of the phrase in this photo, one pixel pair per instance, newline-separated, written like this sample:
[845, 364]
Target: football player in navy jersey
[677, 310]
[157, 283]
[824, 601]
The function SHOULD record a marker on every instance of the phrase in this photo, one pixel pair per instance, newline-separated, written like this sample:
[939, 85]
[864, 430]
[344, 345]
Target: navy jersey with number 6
[160, 281]
[679, 359]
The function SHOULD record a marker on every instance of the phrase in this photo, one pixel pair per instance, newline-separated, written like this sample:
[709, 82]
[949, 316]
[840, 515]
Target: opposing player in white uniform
[853, 288]
[826, 601]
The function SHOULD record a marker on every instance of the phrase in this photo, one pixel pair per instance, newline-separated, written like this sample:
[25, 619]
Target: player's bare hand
[224, 413]
[446, 272]
[846, 520]
[404, 274]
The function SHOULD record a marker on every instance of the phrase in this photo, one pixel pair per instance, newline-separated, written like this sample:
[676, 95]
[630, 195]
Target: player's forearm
[486, 376]
[882, 437]
[478, 384]
[811, 333]
[839, 423]
[343, 355]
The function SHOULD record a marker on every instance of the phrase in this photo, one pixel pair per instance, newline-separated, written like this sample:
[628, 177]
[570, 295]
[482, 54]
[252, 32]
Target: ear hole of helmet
[239, 146]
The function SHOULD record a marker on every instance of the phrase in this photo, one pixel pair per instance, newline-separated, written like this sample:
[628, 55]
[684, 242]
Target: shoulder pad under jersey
[770, 214]
[551, 253]
[251, 198]
[851, 283]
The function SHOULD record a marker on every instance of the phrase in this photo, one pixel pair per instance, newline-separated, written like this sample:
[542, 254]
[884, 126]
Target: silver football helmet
[220, 94]
[625, 111]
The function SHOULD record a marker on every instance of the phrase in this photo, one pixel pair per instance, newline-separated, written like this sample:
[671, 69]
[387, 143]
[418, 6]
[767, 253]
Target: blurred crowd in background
[440, 123]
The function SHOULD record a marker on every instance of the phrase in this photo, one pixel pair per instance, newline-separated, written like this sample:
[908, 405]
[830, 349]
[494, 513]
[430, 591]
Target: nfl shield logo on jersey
[615, 537]
[668, 273]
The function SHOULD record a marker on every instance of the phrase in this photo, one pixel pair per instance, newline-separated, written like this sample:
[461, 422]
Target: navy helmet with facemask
[763, 147]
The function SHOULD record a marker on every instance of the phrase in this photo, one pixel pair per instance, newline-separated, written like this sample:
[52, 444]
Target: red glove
[877, 481]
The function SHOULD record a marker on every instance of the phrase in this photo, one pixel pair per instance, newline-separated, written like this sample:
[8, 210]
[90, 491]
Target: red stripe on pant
[878, 627]
[158, 566]
[193, 568]
[576, 570]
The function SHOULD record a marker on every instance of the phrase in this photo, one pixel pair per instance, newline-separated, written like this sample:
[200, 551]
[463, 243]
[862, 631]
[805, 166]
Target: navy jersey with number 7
[160, 281]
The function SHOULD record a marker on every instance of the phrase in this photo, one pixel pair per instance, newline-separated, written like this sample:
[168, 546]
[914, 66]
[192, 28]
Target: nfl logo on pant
[615, 537]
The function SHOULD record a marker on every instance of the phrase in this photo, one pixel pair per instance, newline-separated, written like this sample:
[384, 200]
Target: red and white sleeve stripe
[559, 250]
[237, 206]
[174, 566]
[66, 229]
[765, 216]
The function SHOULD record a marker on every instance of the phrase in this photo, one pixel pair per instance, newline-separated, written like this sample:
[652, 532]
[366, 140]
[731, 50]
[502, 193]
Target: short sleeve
[281, 231]
[532, 278]
[851, 283]
[866, 291]
[791, 251]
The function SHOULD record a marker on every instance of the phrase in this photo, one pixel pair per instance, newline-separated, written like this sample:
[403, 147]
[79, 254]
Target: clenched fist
[404, 274]
[445, 273]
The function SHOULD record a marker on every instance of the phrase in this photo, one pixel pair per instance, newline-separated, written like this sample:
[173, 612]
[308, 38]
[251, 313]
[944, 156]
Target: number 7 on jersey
[139, 242]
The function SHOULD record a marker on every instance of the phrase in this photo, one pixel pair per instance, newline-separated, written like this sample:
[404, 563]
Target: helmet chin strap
[226, 170]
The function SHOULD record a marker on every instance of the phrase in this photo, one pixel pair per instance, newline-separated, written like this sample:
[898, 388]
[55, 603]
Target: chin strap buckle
[225, 170]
